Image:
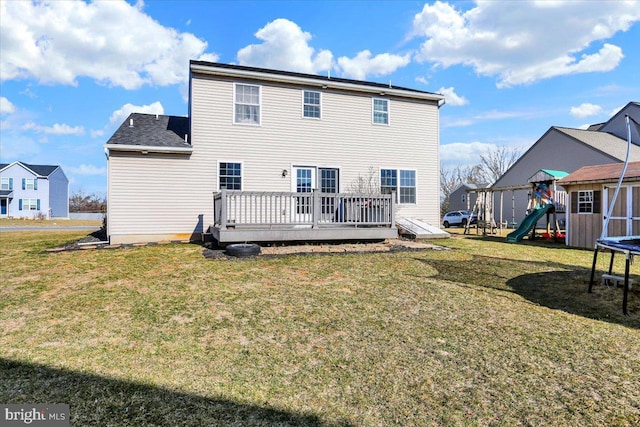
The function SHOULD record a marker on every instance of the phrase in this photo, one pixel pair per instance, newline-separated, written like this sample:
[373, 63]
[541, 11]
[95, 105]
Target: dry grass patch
[485, 334]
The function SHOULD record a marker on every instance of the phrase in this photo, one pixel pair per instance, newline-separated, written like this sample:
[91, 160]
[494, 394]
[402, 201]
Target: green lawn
[484, 334]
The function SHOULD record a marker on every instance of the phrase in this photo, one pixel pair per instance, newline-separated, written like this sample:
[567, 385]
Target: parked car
[458, 218]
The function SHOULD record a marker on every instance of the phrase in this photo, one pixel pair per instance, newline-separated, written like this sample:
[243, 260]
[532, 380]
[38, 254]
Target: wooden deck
[254, 216]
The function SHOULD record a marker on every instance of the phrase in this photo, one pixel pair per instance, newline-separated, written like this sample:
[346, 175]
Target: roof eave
[598, 181]
[310, 81]
[144, 149]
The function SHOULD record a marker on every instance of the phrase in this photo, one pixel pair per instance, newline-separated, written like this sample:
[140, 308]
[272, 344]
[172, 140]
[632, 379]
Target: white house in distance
[33, 191]
[267, 155]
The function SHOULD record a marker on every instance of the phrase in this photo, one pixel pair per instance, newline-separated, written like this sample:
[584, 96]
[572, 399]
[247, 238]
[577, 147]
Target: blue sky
[72, 71]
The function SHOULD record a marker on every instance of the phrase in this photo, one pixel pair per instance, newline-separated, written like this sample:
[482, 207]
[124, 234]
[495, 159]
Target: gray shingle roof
[40, 170]
[311, 76]
[603, 141]
[147, 131]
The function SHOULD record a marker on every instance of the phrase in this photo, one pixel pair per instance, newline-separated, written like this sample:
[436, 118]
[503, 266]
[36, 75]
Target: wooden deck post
[223, 209]
[316, 208]
[393, 209]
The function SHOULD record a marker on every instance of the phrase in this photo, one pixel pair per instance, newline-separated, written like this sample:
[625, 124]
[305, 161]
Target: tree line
[79, 201]
[491, 167]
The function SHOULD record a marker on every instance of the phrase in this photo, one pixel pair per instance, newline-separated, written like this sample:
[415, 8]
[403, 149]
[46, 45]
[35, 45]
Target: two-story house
[33, 191]
[267, 155]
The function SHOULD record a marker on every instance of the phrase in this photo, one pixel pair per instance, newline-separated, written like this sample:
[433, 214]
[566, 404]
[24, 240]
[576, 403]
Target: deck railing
[316, 209]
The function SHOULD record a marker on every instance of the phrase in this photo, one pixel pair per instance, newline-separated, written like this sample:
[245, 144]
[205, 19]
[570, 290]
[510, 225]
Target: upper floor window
[230, 176]
[247, 104]
[29, 184]
[311, 104]
[6, 183]
[381, 111]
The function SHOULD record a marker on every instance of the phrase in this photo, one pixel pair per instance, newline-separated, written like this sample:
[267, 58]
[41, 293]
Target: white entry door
[303, 182]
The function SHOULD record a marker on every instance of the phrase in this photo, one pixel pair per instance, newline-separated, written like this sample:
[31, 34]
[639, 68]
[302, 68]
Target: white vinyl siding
[158, 195]
[247, 104]
[311, 104]
[380, 111]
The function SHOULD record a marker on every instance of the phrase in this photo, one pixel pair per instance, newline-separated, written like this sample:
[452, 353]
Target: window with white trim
[246, 104]
[6, 183]
[29, 204]
[402, 181]
[407, 191]
[29, 184]
[230, 176]
[380, 111]
[311, 104]
[388, 180]
[585, 201]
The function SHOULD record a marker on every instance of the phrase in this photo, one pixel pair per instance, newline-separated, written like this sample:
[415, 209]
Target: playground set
[544, 199]
[541, 203]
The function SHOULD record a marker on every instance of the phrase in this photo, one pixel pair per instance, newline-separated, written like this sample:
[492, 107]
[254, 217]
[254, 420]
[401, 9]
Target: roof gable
[605, 147]
[617, 125]
[38, 170]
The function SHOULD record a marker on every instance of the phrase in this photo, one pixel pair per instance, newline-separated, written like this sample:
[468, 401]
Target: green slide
[528, 223]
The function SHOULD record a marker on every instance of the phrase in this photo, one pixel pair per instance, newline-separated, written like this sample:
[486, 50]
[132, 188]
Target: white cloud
[423, 80]
[120, 115]
[111, 41]
[527, 41]
[96, 133]
[464, 153]
[586, 110]
[452, 98]
[6, 107]
[363, 64]
[56, 129]
[86, 170]
[285, 47]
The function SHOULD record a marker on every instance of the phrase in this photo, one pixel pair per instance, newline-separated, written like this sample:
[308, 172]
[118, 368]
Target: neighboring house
[464, 197]
[275, 155]
[33, 191]
[591, 189]
[564, 149]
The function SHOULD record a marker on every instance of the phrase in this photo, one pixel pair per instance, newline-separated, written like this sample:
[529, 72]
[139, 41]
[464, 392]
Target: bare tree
[79, 201]
[451, 179]
[367, 184]
[495, 163]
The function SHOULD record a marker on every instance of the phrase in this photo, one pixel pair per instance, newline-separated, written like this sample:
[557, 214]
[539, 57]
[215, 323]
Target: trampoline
[627, 245]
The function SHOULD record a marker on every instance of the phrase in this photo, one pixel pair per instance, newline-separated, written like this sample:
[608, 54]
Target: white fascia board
[148, 149]
[308, 81]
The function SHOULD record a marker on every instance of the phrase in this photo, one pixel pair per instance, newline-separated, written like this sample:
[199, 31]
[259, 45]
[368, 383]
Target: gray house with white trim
[33, 191]
[270, 155]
